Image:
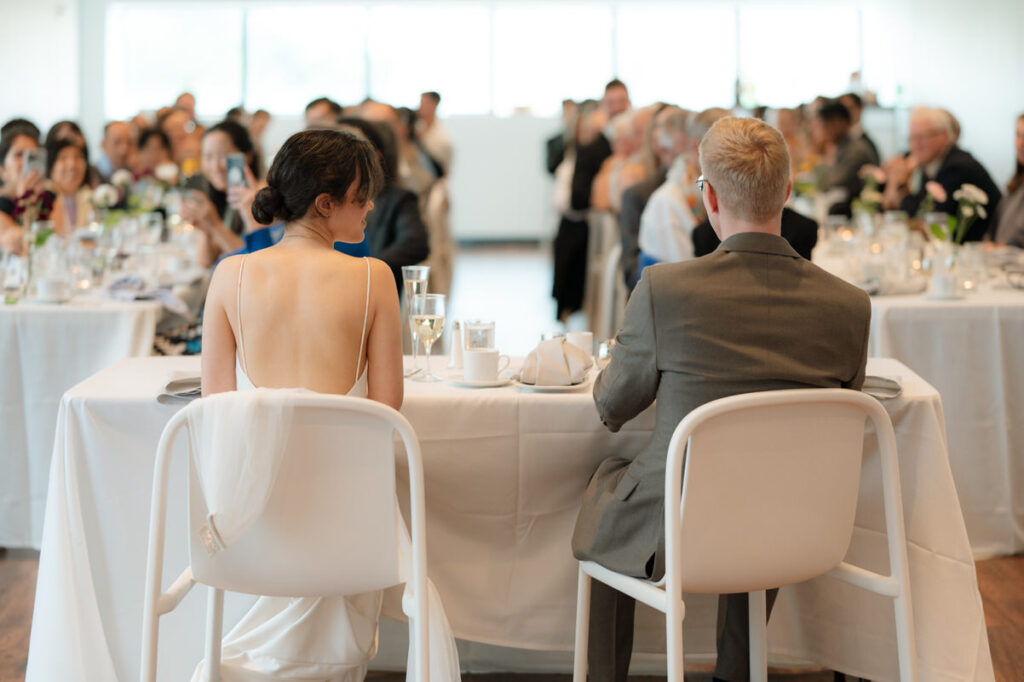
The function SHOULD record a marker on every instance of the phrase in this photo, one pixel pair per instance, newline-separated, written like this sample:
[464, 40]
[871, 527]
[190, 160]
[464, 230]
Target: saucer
[493, 383]
[551, 389]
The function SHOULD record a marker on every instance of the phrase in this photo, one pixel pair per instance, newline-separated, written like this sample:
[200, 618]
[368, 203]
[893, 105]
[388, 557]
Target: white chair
[333, 499]
[767, 499]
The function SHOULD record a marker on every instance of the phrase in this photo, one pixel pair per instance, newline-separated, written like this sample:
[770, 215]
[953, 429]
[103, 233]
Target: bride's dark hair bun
[268, 206]
[312, 163]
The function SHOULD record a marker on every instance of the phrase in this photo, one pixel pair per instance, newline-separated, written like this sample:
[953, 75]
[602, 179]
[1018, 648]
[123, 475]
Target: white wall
[38, 60]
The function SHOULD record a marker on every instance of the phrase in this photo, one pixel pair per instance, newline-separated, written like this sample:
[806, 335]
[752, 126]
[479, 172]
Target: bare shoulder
[382, 281]
[225, 277]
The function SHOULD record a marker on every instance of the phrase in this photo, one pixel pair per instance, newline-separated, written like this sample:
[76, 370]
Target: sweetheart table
[45, 349]
[505, 470]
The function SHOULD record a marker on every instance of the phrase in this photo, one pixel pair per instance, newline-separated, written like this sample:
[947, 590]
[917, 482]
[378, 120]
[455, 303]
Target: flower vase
[945, 279]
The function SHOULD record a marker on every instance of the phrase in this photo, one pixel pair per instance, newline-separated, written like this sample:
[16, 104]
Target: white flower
[105, 196]
[981, 212]
[167, 173]
[971, 193]
[121, 178]
[967, 211]
[871, 196]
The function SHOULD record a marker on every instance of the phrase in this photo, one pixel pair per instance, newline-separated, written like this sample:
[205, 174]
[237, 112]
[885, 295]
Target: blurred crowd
[55, 178]
[639, 164]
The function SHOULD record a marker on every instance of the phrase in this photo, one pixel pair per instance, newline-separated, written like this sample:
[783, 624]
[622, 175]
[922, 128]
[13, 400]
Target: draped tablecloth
[972, 351]
[46, 349]
[505, 471]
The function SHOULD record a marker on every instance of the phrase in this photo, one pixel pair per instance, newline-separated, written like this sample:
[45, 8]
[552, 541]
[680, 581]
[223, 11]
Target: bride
[300, 314]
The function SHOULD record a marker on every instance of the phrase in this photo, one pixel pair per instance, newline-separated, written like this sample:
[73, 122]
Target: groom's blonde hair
[747, 163]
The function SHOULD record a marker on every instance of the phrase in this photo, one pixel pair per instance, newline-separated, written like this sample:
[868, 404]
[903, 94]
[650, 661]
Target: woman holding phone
[221, 212]
[20, 184]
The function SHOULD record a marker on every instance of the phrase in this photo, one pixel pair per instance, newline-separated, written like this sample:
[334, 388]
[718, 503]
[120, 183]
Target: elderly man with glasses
[751, 316]
[935, 156]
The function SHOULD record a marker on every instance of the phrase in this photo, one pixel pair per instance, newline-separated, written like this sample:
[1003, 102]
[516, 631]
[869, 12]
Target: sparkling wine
[428, 327]
[414, 287]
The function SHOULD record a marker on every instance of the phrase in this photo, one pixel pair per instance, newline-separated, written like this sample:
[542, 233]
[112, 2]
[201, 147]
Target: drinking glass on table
[428, 312]
[478, 334]
[415, 279]
[13, 275]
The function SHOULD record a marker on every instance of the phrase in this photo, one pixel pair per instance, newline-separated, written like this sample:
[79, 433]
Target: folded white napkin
[181, 387]
[883, 388]
[555, 363]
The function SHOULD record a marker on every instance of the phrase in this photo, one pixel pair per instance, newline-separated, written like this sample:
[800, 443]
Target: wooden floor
[1001, 582]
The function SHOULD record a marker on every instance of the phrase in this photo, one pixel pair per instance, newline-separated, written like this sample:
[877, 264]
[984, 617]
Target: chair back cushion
[770, 493]
[329, 526]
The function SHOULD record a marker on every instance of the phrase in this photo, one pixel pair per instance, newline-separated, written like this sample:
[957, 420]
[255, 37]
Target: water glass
[13, 275]
[478, 334]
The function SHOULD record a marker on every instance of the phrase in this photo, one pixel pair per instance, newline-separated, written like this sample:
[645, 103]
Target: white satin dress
[320, 638]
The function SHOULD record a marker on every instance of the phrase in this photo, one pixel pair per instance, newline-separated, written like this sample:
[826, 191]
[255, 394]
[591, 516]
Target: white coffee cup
[481, 364]
[52, 289]
[582, 340]
[945, 286]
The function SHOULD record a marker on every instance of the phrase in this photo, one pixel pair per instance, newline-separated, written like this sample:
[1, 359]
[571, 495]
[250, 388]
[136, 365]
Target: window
[545, 53]
[295, 53]
[156, 51]
[684, 55]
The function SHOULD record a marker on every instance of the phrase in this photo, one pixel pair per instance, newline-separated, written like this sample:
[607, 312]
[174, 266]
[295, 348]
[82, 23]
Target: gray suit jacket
[751, 316]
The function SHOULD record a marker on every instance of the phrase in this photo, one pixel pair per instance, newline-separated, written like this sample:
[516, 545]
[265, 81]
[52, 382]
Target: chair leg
[674, 637]
[758, 626]
[579, 663]
[214, 628]
[906, 647]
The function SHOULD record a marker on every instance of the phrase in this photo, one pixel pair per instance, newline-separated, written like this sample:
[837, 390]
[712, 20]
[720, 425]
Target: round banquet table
[505, 470]
[46, 349]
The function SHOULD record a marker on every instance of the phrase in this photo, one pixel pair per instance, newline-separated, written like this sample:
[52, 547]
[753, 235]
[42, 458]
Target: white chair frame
[158, 603]
[667, 594]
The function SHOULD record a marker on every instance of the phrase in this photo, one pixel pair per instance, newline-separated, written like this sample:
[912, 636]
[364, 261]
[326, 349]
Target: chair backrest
[330, 524]
[770, 486]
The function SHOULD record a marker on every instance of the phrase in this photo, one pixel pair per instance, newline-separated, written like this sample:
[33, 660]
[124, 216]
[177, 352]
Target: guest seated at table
[220, 224]
[67, 166]
[117, 149]
[752, 316]
[850, 154]
[154, 149]
[800, 231]
[635, 198]
[185, 135]
[322, 111]
[855, 105]
[18, 186]
[675, 208]
[934, 155]
[300, 314]
[69, 130]
[630, 162]
[1009, 215]
[395, 232]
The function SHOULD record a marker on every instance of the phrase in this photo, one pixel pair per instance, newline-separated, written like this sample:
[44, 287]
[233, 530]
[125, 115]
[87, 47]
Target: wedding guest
[635, 198]
[395, 232]
[185, 136]
[621, 128]
[343, 336]
[22, 126]
[187, 102]
[934, 155]
[697, 331]
[117, 150]
[675, 208]
[851, 153]
[69, 130]
[67, 166]
[616, 98]
[556, 146]
[1009, 216]
[855, 105]
[154, 149]
[631, 159]
[322, 111]
[431, 133]
[800, 231]
[220, 224]
[257, 127]
[790, 125]
[417, 169]
[570, 244]
[18, 186]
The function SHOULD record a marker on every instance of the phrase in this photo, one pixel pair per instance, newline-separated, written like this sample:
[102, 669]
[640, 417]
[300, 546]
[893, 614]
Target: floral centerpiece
[869, 200]
[971, 201]
[127, 195]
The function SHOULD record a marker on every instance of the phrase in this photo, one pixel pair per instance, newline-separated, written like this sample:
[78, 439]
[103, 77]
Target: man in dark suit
[752, 316]
[800, 231]
[852, 154]
[934, 155]
[855, 105]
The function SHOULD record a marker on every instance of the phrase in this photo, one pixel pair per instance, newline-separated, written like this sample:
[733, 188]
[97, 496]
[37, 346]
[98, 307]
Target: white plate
[464, 383]
[551, 389]
[48, 301]
[957, 297]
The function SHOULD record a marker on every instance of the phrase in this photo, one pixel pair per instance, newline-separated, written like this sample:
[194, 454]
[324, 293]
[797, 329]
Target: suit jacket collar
[758, 242]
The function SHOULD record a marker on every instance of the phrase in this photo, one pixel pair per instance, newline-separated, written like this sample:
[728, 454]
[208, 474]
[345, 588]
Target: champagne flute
[428, 320]
[415, 279]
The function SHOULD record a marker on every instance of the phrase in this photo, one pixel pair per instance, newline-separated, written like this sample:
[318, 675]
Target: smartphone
[236, 170]
[34, 159]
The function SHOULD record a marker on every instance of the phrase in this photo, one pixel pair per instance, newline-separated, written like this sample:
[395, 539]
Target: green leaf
[42, 236]
[937, 230]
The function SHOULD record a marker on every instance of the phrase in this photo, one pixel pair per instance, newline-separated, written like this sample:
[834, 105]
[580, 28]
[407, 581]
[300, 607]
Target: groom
[751, 316]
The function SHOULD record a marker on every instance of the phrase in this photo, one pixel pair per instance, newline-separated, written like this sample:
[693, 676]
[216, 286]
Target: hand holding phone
[236, 170]
[33, 160]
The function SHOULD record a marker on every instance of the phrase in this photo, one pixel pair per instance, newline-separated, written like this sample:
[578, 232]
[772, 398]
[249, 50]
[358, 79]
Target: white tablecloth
[45, 350]
[972, 351]
[505, 471]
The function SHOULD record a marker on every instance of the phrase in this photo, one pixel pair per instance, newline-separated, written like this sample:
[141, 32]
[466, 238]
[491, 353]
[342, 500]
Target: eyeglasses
[701, 181]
